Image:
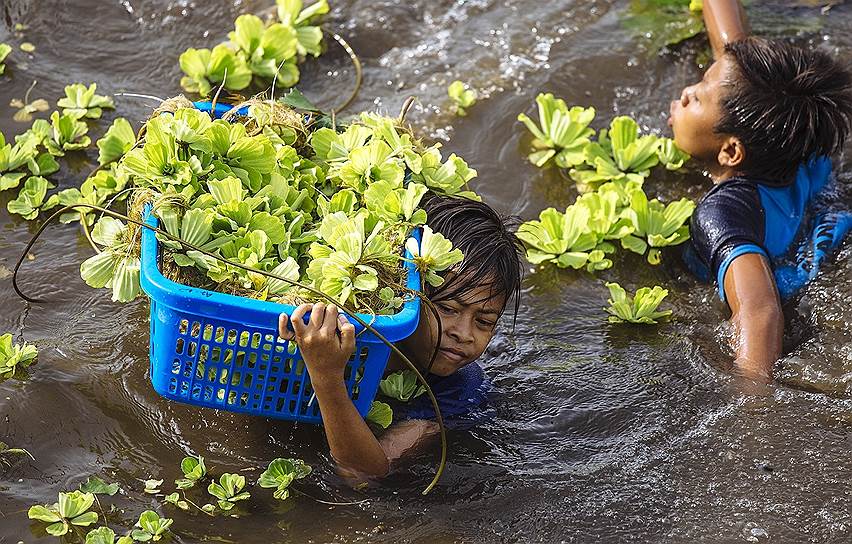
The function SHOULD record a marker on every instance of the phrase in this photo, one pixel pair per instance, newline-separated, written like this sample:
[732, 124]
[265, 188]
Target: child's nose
[684, 97]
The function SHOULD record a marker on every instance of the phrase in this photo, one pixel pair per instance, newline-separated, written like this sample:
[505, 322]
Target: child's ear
[732, 152]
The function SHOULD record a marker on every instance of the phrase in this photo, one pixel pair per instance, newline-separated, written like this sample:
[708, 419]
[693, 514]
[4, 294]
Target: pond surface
[601, 433]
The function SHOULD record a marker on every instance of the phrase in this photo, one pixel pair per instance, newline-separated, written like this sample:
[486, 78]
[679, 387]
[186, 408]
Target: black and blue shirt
[748, 215]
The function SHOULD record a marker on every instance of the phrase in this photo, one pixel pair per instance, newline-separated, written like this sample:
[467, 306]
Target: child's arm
[326, 343]
[726, 22]
[757, 317]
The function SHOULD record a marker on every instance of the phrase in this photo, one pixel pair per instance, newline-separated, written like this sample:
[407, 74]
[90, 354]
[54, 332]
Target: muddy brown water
[600, 432]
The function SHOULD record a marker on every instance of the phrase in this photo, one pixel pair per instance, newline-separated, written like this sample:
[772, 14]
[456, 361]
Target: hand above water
[326, 342]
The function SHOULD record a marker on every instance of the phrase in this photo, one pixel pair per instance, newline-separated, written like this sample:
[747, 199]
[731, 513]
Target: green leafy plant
[402, 386]
[72, 509]
[15, 356]
[5, 49]
[564, 239]
[151, 527]
[118, 140]
[620, 153]
[461, 96]
[31, 198]
[14, 159]
[193, 471]
[115, 267]
[265, 51]
[99, 487]
[81, 101]
[174, 498]
[640, 308]
[152, 487]
[433, 255]
[662, 23]
[281, 473]
[229, 490]
[380, 413]
[671, 155]
[105, 535]
[563, 133]
[63, 133]
[656, 225]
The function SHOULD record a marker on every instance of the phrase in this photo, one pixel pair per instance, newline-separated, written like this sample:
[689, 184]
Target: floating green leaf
[193, 471]
[15, 356]
[5, 49]
[402, 386]
[461, 96]
[656, 225]
[99, 487]
[434, 254]
[118, 140]
[229, 490]
[281, 473]
[563, 133]
[151, 527]
[72, 509]
[381, 414]
[81, 101]
[30, 198]
[640, 308]
[105, 535]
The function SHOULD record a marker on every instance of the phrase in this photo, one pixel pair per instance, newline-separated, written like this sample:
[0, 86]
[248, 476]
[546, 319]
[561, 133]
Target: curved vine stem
[351, 313]
[356, 63]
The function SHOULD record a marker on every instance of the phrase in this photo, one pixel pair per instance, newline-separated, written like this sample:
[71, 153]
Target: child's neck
[721, 174]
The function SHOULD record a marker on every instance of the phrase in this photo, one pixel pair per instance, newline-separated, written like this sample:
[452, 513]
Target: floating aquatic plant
[656, 225]
[402, 386]
[72, 509]
[640, 308]
[193, 469]
[14, 357]
[563, 133]
[462, 97]
[151, 527]
[105, 535]
[81, 101]
[5, 49]
[229, 490]
[281, 473]
[380, 413]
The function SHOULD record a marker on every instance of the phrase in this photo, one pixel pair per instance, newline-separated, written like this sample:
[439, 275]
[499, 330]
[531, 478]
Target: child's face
[467, 327]
[695, 115]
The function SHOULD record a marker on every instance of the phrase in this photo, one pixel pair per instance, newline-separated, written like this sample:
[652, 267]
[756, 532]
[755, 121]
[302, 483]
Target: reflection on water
[601, 432]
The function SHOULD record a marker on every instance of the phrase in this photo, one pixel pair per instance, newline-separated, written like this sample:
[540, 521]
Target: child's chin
[445, 368]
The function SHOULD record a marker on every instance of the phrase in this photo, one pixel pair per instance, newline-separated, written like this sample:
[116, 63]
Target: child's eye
[486, 323]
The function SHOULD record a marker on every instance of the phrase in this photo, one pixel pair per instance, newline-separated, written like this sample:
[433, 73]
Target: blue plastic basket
[222, 351]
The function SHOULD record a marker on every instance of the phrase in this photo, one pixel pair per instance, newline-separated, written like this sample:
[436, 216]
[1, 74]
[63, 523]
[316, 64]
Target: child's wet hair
[786, 104]
[492, 252]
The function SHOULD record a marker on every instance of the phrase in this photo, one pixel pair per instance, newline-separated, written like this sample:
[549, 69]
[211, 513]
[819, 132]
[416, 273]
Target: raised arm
[757, 318]
[326, 343]
[726, 22]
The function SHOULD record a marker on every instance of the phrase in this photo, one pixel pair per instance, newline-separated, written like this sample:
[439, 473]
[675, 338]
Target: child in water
[762, 121]
[471, 300]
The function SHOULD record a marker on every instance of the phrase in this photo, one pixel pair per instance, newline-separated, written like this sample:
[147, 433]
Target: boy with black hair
[763, 121]
[471, 300]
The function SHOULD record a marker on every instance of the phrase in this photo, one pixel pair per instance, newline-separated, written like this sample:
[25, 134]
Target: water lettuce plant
[656, 225]
[14, 357]
[5, 49]
[63, 133]
[618, 154]
[402, 386]
[434, 254]
[229, 490]
[98, 487]
[151, 527]
[117, 265]
[640, 308]
[662, 23]
[31, 198]
[81, 101]
[564, 239]
[563, 134]
[105, 535]
[116, 142]
[380, 413]
[281, 473]
[461, 96]
[257, 50]
[72, 509]
[193, 469]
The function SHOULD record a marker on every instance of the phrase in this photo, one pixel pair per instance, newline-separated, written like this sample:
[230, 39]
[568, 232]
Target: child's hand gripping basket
[223, 351]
